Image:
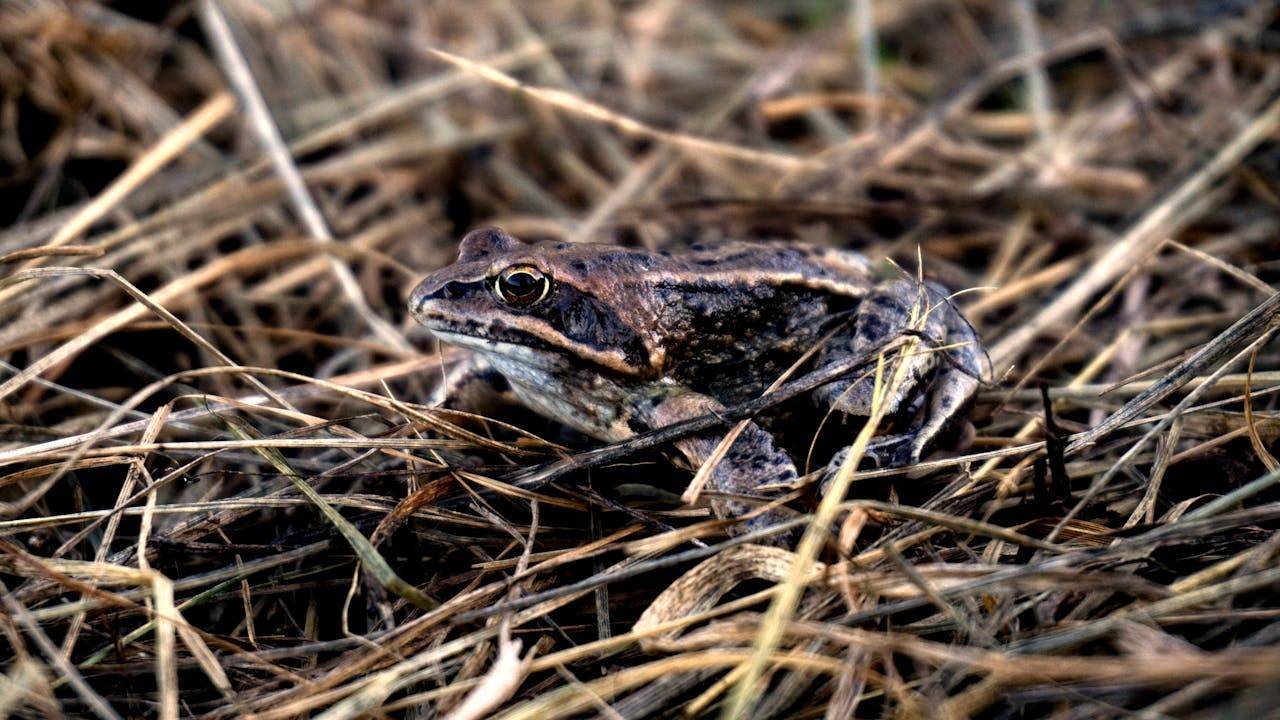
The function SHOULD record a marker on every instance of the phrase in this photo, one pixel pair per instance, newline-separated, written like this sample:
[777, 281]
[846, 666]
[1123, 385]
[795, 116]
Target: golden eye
[522, 286]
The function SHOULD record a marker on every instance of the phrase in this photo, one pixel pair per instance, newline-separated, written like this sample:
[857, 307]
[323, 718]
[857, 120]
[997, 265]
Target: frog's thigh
[883, 314]
[960, 373]
[472, 385]
[753, 459]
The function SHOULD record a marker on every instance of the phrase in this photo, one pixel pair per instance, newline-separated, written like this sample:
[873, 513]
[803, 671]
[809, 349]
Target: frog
[614, 341]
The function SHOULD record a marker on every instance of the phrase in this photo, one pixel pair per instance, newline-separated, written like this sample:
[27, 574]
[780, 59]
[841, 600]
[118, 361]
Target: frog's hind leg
[886, 312]
[889, 311]
[963, 369]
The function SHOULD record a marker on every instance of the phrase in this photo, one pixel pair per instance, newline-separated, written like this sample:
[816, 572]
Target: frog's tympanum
[614, 341]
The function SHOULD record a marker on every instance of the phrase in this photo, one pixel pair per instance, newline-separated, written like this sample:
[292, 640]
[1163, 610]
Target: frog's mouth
[513, 348]
[493, 340]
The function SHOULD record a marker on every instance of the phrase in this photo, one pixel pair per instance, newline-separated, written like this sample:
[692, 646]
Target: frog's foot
[753, 460]
[884, 314]
[885, 451]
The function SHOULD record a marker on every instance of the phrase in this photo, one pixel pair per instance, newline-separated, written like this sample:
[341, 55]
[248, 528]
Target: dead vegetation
[220, 494]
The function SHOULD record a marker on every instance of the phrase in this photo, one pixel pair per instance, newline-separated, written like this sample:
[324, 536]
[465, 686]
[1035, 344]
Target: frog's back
[722, 318]
[735, 315]
[842, 272]
[823, 269]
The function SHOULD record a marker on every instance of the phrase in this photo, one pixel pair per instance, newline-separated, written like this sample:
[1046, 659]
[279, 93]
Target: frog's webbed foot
[753, 460]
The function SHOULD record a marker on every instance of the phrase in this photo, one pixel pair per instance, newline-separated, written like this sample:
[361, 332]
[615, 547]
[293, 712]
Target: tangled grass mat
[222, 494]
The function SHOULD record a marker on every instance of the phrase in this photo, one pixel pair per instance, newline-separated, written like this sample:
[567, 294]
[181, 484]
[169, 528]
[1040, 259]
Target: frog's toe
[896, 451]
[883, 452]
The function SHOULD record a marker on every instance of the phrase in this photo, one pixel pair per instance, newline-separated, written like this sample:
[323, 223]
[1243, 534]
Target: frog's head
[542, 304]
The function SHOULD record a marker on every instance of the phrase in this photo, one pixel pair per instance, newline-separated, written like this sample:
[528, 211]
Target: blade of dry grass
[95, 702]
[785, 602]
[1144, 236]
[240, 76]
[368, 554]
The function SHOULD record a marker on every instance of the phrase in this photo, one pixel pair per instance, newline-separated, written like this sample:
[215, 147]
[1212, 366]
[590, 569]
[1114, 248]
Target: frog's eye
[522, 286]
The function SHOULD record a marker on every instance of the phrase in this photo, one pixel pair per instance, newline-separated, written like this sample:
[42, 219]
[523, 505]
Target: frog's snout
[437, 297]
[423, 297]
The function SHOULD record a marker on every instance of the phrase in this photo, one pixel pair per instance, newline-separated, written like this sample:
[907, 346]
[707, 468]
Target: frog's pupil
[522, 286]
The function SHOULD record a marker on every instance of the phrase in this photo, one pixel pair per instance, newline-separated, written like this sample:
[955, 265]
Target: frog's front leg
[472, 385]
[753, 459]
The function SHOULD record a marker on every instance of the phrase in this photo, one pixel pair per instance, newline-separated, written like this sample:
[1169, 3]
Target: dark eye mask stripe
[577, 315]
[584, 319]
[454, 290]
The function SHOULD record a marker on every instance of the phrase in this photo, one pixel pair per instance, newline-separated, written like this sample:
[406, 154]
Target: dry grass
[221, 494]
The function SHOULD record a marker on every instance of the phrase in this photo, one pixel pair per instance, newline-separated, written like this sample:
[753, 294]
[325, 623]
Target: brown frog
[614, 341]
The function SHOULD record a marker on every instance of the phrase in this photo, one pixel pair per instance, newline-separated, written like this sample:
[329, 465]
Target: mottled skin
[614, 341]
